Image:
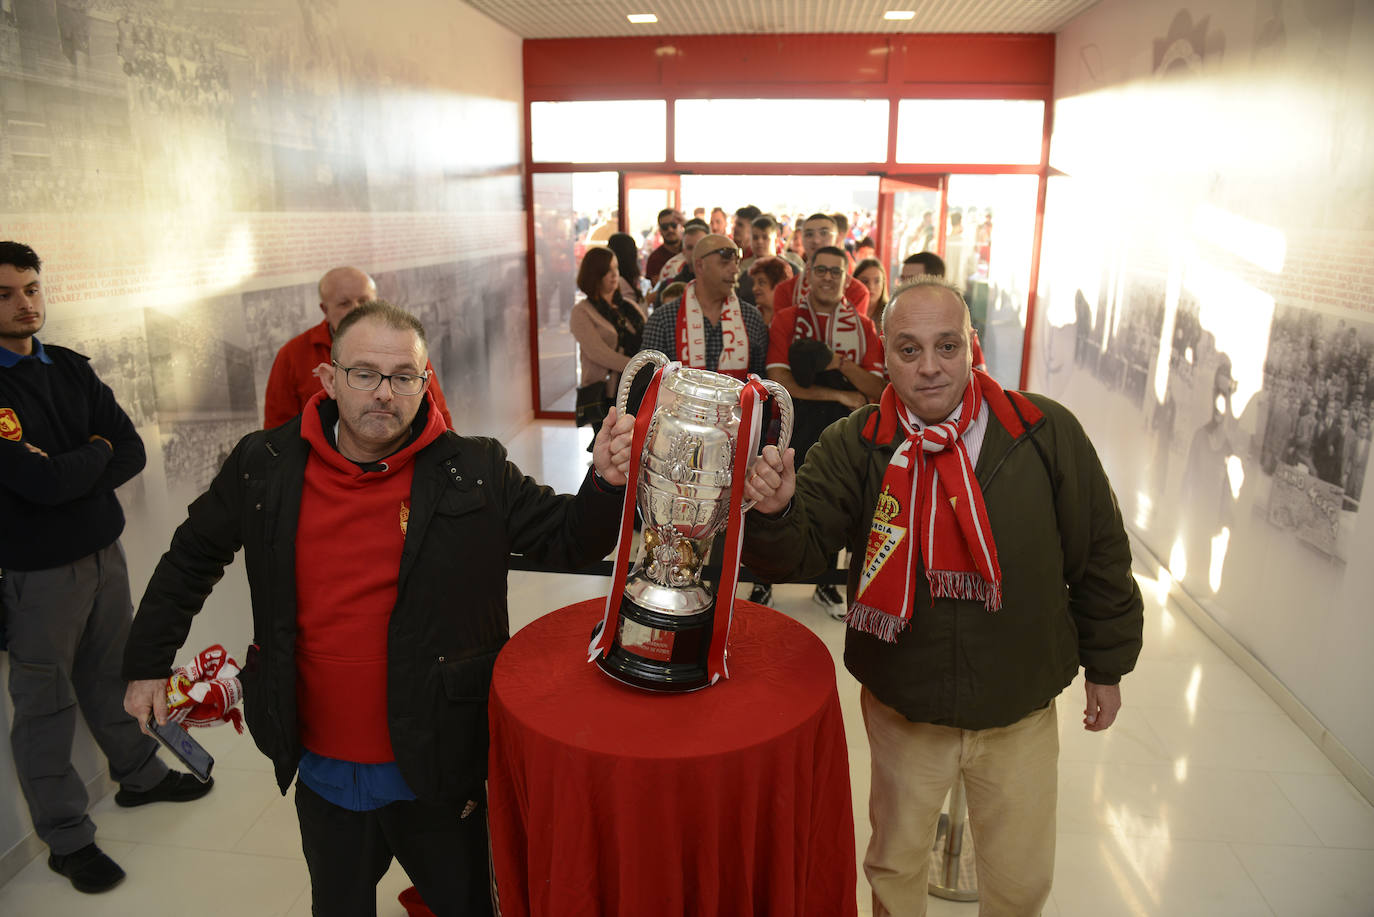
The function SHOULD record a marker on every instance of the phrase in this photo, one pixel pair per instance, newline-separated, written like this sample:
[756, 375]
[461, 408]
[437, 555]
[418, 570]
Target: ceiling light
[641, 18]
[900, 14]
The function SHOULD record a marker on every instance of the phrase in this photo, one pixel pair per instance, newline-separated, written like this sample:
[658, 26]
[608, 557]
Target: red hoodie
[348, 555]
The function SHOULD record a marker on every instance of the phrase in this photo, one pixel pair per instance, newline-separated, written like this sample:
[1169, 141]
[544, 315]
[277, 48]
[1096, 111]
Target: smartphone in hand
[186, 749]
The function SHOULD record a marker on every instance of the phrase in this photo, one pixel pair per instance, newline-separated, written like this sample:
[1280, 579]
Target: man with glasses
[295, 378]
[670, 229]
[829, 358]
[376, 544]
[710, 328]
[818, 231]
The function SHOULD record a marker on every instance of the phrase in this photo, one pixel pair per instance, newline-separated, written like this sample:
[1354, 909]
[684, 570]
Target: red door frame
[894, 67]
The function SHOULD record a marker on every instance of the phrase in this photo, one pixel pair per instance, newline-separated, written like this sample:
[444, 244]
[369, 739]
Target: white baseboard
[29, 846]
[1334, 749]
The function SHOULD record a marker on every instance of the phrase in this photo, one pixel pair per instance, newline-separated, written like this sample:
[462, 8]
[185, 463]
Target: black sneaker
[175, 787]
[89, 869]
[828, 597]
[762, 593]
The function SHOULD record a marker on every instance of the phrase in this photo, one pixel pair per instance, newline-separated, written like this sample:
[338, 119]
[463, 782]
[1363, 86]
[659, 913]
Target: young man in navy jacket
[65, 445]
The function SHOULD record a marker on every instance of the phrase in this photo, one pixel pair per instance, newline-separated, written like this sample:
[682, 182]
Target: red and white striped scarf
[691, 335]
[930, 482]
[844, 333]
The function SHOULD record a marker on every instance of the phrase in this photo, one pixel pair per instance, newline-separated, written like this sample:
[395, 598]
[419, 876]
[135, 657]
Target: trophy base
[658, 652]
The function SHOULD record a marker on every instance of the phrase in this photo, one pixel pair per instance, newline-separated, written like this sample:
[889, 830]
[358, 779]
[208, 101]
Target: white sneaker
[828, 597]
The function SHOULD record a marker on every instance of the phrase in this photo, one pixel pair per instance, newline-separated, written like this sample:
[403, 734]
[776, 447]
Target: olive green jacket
[1069, 598]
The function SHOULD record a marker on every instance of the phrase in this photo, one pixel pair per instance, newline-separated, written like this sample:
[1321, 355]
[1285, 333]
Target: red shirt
[783, 330]
[292, 381]
[854, 291]
[350, 534]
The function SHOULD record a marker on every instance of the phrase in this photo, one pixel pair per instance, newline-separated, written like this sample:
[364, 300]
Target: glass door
[571, 209]
[989, 238]
[646, 193]
[908, 219]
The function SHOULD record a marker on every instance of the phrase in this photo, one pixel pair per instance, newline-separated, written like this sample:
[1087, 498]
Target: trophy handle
[785, 411]
[785, 416]
[632, 368]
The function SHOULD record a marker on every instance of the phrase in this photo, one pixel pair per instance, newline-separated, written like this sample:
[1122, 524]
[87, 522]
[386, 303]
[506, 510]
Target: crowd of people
[1320, 400]
[174, 72]
[194, 450]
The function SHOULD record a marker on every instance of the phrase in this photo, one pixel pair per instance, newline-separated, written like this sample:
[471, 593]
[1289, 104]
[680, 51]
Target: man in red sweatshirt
[376, 544]
[292, 381]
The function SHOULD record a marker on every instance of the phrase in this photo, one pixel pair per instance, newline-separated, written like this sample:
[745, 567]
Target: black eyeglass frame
[382, 377]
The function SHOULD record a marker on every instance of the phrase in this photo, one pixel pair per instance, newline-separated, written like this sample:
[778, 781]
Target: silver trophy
[664, 629]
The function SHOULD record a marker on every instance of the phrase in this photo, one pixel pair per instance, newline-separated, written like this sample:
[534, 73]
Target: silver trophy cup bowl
[663, 632]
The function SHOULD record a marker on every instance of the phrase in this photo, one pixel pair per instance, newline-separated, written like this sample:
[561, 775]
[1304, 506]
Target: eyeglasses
[727, 254]
[821, 270]
[369, 380]
[667, 226]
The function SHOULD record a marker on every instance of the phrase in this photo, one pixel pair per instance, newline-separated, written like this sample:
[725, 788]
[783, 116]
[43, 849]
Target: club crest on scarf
[944, 503]
[883, 536]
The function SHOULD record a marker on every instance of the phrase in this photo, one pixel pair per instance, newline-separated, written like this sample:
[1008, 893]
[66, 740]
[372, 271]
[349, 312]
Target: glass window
[572, 211]
[632, 130]
[970, 130]
[794, 130]
[989, 231]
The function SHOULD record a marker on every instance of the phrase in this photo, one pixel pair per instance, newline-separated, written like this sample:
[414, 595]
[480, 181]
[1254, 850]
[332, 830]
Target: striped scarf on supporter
[930, 482]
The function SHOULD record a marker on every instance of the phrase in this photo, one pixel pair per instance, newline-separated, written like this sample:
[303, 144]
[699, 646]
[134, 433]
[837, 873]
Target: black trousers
[348, 852]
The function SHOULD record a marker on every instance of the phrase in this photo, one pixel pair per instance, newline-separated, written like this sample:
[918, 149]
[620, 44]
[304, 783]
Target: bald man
[293, 380]
[709, 328]
[988, 564]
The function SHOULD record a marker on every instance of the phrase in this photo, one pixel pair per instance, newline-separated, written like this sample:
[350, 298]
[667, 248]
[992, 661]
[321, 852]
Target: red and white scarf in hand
[691, 335]
[206, 690]
[929, 482]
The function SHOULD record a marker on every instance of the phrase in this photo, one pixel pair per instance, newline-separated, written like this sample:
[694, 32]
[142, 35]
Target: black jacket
[470, 509]
[60, 507]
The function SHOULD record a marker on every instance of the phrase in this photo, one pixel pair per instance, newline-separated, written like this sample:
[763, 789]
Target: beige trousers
[1011, 782]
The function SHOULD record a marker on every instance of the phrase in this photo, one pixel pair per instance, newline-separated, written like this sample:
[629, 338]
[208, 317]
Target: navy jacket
[60, 507]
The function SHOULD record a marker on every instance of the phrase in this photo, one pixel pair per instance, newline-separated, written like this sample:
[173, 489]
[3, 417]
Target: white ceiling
[601, 18]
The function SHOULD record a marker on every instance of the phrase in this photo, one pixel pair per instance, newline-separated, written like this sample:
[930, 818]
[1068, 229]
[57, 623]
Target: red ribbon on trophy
[751, 413]
[602, 639]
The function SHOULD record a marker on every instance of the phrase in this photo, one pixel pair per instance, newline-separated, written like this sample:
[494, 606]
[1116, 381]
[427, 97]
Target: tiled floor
[1203, 799]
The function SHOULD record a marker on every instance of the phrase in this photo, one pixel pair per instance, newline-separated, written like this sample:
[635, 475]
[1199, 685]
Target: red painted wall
[858, 66]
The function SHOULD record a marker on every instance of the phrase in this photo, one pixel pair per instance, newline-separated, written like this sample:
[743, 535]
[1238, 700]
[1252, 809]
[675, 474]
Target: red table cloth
[608, 800]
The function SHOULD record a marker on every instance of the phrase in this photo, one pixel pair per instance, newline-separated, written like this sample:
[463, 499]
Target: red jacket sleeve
[780, 337]
[281, 402]
[439, 401]
[857, 294]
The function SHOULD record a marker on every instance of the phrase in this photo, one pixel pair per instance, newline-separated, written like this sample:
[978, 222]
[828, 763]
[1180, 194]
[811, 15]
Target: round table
[608, 800]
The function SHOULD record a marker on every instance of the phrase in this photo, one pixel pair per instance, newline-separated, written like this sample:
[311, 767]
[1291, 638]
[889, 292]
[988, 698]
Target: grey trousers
[67, 627]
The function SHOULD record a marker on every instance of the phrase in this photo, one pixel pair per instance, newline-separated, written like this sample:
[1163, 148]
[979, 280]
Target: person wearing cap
[376, 544]
[829, 358]
[709, 327]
